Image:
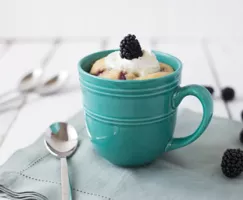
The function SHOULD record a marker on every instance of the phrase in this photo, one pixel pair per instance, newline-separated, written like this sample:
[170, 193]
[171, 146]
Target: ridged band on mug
[130, 92]
[131, 122]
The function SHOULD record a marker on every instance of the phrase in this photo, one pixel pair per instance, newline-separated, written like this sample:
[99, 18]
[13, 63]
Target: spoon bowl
[53, 84]
[61, 139]
[30, 81]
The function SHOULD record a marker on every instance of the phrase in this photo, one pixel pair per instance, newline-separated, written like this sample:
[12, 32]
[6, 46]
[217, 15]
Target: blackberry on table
[232, 163]
[241, 136]
[228, 94]
[210, 89]
[130, 48]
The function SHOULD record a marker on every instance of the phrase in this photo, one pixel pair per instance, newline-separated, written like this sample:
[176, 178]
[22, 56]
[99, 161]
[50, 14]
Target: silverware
[26, 84]
[61, 140]
[53, 84]
[32, 82]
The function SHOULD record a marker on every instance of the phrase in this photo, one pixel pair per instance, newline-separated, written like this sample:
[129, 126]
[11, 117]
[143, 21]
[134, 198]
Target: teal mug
[132, 122]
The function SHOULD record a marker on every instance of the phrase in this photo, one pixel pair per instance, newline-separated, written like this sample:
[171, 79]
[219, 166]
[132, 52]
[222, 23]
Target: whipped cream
[147, 64]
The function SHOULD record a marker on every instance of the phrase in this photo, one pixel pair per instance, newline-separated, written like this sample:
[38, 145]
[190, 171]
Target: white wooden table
[206, 62]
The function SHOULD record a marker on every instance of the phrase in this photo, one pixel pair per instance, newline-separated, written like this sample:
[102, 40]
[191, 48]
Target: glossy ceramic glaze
[132, 122]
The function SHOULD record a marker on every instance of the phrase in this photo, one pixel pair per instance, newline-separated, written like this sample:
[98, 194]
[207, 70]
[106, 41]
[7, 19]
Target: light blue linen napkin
[190, 173]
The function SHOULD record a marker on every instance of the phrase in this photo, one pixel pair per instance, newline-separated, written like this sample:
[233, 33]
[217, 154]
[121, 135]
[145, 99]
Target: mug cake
[130, 62]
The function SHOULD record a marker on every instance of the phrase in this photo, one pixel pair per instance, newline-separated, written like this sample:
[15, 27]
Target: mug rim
[156, 52]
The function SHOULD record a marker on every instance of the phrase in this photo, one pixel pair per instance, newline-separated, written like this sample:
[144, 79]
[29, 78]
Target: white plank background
[190, 18]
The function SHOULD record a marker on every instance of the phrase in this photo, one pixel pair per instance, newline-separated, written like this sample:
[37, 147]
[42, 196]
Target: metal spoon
[53, 84]
[61, 140]
[26, 84]
[32, 83]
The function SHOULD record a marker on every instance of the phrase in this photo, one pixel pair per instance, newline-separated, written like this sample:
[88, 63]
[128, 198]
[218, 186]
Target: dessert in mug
[131, 62]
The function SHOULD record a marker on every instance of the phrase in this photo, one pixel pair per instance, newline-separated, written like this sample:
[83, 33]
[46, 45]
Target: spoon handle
[66, 190]
[9, 96]
[13, 103]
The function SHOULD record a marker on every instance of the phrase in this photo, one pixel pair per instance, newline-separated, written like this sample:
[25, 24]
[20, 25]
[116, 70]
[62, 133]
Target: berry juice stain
[122, 76]
[99, 72]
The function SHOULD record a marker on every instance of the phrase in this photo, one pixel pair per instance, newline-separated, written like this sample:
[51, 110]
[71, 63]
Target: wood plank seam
[7, 46]
[104, 43]
[212, 67]
[55, 45]
[3, 137]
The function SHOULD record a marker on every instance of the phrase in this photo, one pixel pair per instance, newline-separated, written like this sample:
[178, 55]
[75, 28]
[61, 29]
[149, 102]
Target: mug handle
[205, 98]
